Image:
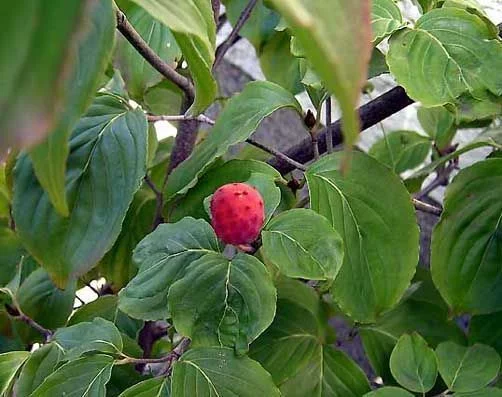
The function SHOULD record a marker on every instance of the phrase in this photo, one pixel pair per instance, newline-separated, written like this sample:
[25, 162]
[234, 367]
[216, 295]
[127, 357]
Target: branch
[329, 137]
[16, 312]
[159, 199]
[424, 207]
[370, 114]
[277, 153]
[151, 57]
[233, 36]
[181, 117]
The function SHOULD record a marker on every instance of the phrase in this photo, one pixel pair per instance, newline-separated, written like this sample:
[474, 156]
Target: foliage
[88, 191]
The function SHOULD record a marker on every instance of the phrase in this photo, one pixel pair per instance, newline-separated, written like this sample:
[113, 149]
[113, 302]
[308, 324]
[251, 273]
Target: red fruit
[237, 213]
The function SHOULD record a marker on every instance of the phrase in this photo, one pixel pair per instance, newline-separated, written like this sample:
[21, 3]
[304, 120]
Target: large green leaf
[9, 365]
[371, 209]
[39, 366]
[487, 329]
[389, 391]
[330, 373]
[401, 150]
[467, 369]
[424, 312]
[162, 258]
[192, 204]
[99, 335]
[117, 266]
[85, 377]
[156, 387]
[279, 65]
[449, 52]
[34, 75]
[194, 29]
[323, 28]
[217, 371]
[467, 241]
[438, 123]
[260, 25]
[138, 74]
[414, 364]
[94, 48]
[40, 299]
[236, 123]
[303, 244]
[223, 302]
[386, 18]
[295, 336]
[11, 252]
[106, 164]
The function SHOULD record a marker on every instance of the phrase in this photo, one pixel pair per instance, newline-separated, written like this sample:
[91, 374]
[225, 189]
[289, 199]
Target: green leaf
[330, 373]
[164, 98]
[386, 18]
[11, 252]
[487, 392]
[106, 164]
[481, 109]
[117, 266]
[84, 377]
[421, 313]
[192, 204]
[438, 123]
[279, 65]
[303, 244]
[40, 365]
[99, 335]
[40, 299]
[123, 377]
[467, 369]
[194, 29]
[260, 25]
[162, 257]
[323, 28]
[223, 302]
[487, 329]
[156, 387]
[295, 336]
[44, 35]
[401, 150]
[414, 364]
[138, 74]
[466, 243]
[461, 54]
[236, 123]
[104, 307]
[271, 193]
[216, 371]
[372, 211]
[9, 365]
[377, 65]
[389, 391]
[94, 48]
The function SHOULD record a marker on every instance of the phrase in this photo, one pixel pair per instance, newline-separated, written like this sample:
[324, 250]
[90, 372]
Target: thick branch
[233, 36]
[152, 58]
[16, 312]
[184, 141]
[370, 114]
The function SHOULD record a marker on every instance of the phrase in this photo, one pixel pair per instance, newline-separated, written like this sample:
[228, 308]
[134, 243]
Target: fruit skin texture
[237, 213]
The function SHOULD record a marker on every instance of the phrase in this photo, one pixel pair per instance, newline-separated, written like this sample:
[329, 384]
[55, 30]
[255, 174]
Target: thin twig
[181, 117]
[441, 179]
[151, 57]
[424, 207]
[277, 153]
[329, 136]
[225, 46]
[16, 313]
[159, 198]
[170, 358]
